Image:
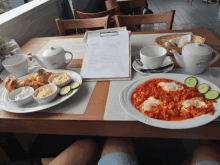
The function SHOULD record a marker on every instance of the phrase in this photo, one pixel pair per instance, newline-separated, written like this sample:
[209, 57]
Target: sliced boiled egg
[195, 102]
[170, 86]
[150, 104]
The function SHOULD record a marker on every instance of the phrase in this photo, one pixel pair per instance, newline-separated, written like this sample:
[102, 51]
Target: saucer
[167, 61]
[4, 74]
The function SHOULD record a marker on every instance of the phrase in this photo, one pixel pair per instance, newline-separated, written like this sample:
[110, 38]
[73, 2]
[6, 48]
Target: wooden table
[91, 122]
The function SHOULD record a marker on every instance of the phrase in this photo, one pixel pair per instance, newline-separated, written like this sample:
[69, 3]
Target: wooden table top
[92, 122]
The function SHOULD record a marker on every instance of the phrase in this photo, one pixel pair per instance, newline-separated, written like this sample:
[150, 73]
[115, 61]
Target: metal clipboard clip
[106, 34]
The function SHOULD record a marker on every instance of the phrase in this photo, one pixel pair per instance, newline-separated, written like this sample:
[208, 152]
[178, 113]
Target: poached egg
[195, 102]
[170, 86]
[150, 104]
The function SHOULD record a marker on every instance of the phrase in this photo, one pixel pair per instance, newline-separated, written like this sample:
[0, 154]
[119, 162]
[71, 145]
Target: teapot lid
[53, 50]
[197, 48]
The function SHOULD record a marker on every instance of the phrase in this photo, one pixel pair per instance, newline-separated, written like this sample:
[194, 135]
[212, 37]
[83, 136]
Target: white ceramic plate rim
[7, 106]
[126, 104]
[134, 64]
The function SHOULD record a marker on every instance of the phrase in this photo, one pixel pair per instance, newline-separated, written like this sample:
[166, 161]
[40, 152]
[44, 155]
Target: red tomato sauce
[170, 108]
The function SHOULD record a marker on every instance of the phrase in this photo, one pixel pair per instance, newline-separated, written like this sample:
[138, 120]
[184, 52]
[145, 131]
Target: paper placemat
[75, 45]
[114, 111]
[78, 102]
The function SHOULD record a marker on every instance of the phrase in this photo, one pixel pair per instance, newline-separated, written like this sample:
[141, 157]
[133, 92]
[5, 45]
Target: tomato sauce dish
[166, 99]
[171, 101]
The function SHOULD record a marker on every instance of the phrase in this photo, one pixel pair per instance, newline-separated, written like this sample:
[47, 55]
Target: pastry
[184, 44]
[170, 44]
[35, 81]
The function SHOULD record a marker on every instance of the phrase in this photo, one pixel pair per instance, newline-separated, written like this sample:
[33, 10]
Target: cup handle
[215, 59]
[71, 57]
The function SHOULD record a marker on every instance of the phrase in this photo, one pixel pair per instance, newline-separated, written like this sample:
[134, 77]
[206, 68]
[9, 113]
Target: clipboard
[101, 34]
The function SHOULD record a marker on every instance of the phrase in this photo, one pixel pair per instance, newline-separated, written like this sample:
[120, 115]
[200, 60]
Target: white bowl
[11, 97]
[48, 98]
[61, 84]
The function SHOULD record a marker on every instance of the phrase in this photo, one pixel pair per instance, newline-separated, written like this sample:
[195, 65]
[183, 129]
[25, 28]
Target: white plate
[167, 61]
[125, 101]
[33, 106]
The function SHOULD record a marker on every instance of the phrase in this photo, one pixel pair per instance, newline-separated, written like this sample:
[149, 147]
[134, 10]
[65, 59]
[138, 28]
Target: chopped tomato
[169, 104]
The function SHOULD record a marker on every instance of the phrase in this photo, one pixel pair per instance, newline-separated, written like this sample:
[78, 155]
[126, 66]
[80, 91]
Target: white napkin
[180, 40]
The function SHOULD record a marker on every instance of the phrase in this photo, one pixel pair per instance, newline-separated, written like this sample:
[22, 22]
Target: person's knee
[123, 145]
[86, 143]
[206, 152]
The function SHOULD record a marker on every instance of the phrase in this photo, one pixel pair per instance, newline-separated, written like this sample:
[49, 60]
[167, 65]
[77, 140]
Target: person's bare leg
[207, 151]
[46, 161]
[79, 153]
[118, 145]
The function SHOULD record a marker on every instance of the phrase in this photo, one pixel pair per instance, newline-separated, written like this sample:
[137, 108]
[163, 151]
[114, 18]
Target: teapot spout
[178, 57]
[38, 60]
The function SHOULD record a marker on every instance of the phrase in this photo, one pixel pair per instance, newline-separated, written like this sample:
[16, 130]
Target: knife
[157, 69]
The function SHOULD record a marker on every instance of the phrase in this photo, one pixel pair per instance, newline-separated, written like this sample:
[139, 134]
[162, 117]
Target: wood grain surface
[63, 25]
[91, 122]
[128, 20]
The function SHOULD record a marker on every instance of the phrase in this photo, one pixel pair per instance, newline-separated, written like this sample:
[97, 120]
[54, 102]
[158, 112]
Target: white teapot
[53, 58]
[195, 58]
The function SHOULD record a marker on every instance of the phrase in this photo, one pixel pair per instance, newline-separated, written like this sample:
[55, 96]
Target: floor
[198, 15]
[161, 151]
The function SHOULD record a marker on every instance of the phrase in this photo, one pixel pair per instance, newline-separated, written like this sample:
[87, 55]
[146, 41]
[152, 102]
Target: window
[6, 5]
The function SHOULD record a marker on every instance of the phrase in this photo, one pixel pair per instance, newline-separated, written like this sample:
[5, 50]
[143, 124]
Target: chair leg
[191, 2]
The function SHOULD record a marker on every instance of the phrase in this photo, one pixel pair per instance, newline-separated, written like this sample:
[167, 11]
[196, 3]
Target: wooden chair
[82, 15]
[133, 7]
[128, 20]
[63, 25]
[112, 12]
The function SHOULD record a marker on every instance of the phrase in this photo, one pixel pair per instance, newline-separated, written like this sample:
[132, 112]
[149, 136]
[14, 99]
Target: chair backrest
[128, 6]
[82, 15]
[101, 22]
[110, 4]
[128, 20]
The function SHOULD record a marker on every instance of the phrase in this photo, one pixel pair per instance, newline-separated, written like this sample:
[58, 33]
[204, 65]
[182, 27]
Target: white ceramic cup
[17, 65]
[153, 57]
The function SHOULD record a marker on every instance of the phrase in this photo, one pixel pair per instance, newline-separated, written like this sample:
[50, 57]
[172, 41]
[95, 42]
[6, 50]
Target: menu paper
[107, 55]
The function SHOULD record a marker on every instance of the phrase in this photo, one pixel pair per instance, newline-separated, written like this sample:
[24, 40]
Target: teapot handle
[215, 59]
[71, 57]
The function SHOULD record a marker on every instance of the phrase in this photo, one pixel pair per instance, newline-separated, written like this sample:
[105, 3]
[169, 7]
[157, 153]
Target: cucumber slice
[203, 88]
[69, 93]
[211, 95]
[191, 82]
[74, 85]
[65, 90]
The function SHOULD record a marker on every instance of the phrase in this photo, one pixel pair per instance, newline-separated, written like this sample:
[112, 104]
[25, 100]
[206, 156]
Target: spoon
[152, 70]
